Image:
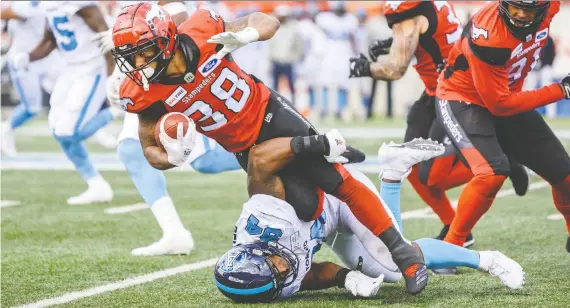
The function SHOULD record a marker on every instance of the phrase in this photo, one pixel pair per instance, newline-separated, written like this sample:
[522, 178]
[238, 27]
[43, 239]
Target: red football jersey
[490, 64]
[434, 45]
[227, 104]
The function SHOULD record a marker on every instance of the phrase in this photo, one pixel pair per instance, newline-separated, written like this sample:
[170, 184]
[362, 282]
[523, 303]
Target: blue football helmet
[246, 273]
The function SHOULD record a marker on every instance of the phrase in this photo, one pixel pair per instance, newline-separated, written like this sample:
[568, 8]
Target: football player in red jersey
[426, 30]
[189, 69]
[487, 116]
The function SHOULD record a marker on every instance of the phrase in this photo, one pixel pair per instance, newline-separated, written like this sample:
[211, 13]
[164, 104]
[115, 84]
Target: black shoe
[519, 177]
[408, 259]
[568, 245]
[470, 241]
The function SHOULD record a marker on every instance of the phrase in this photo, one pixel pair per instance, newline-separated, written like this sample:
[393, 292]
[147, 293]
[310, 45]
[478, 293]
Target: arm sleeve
[491, 82]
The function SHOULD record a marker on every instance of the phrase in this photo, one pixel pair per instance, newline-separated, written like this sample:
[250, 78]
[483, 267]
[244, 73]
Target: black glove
[360, 67]
[565, 83]
[379, 48]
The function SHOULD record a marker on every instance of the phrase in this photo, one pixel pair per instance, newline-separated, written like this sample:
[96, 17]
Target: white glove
[21, 61]
[179, 149]
[234, 40]
[361, 285]
[113, 84]
[105, 41]
[337, 146]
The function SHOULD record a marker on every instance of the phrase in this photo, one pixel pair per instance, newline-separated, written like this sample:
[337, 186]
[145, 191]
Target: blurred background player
[285, 49]
[77, 102]
[206, 157]
[487, 116]
[340, 27]
[426, 30]
[26, 24]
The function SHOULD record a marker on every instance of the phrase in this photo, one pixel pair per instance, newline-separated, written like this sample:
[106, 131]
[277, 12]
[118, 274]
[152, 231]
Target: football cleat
[396, 160]
[180, 243]
[519, 177]
[506, 269]
[412, 266]
[8, 143]
[568, 245]
[470, 241]
[99, 191]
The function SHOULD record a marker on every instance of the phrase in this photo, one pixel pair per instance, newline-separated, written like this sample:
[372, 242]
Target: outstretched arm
[406, 38]
[327, 275]
[265, 25]
[324, 275]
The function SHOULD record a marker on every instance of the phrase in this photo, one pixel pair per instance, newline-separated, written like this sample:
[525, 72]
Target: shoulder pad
[398, 11]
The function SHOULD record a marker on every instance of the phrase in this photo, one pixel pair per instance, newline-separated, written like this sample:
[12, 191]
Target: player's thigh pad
[75, 105]
[471, 129]
[529, 140]
[420, 118]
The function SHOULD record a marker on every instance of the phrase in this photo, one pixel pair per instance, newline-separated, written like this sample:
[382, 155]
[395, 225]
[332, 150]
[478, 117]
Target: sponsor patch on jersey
[176, 96]
[209, 65]
[541, 35]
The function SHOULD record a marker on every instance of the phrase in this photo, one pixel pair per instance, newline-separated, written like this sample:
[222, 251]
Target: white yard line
[555, 217]
[126, 208]
[427, 212]
[69, 297]
[7, 203]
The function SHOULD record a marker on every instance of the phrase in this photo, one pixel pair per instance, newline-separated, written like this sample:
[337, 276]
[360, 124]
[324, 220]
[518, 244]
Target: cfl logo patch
[478, 32]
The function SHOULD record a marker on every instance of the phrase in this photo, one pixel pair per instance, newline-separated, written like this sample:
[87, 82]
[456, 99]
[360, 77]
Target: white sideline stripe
[126, 208]
[427, 212]
[555, 217]
[7, 203]
[69, 297]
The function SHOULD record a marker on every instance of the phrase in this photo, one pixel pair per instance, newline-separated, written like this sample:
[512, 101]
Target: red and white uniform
[227, 104]
[434, 45]
[497, 64]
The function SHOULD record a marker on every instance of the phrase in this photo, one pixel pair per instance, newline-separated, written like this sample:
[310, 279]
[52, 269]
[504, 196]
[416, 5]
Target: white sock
[96, 181]
[166, 216]
[485, 258]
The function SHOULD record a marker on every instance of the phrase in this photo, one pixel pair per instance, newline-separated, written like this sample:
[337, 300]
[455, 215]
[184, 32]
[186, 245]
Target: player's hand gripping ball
[176, 133]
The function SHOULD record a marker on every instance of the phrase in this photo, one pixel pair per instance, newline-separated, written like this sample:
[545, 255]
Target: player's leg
[335, 180]
[472, 131]
[210, 157]
[75, 102]
[438, 254]
[421, 124]
[27, 85]
[528, 139]
[151, 184]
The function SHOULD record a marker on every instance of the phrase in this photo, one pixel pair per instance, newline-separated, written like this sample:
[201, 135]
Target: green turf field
[51, 249]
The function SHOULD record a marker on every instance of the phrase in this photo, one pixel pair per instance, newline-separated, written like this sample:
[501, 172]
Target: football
[168, 123]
